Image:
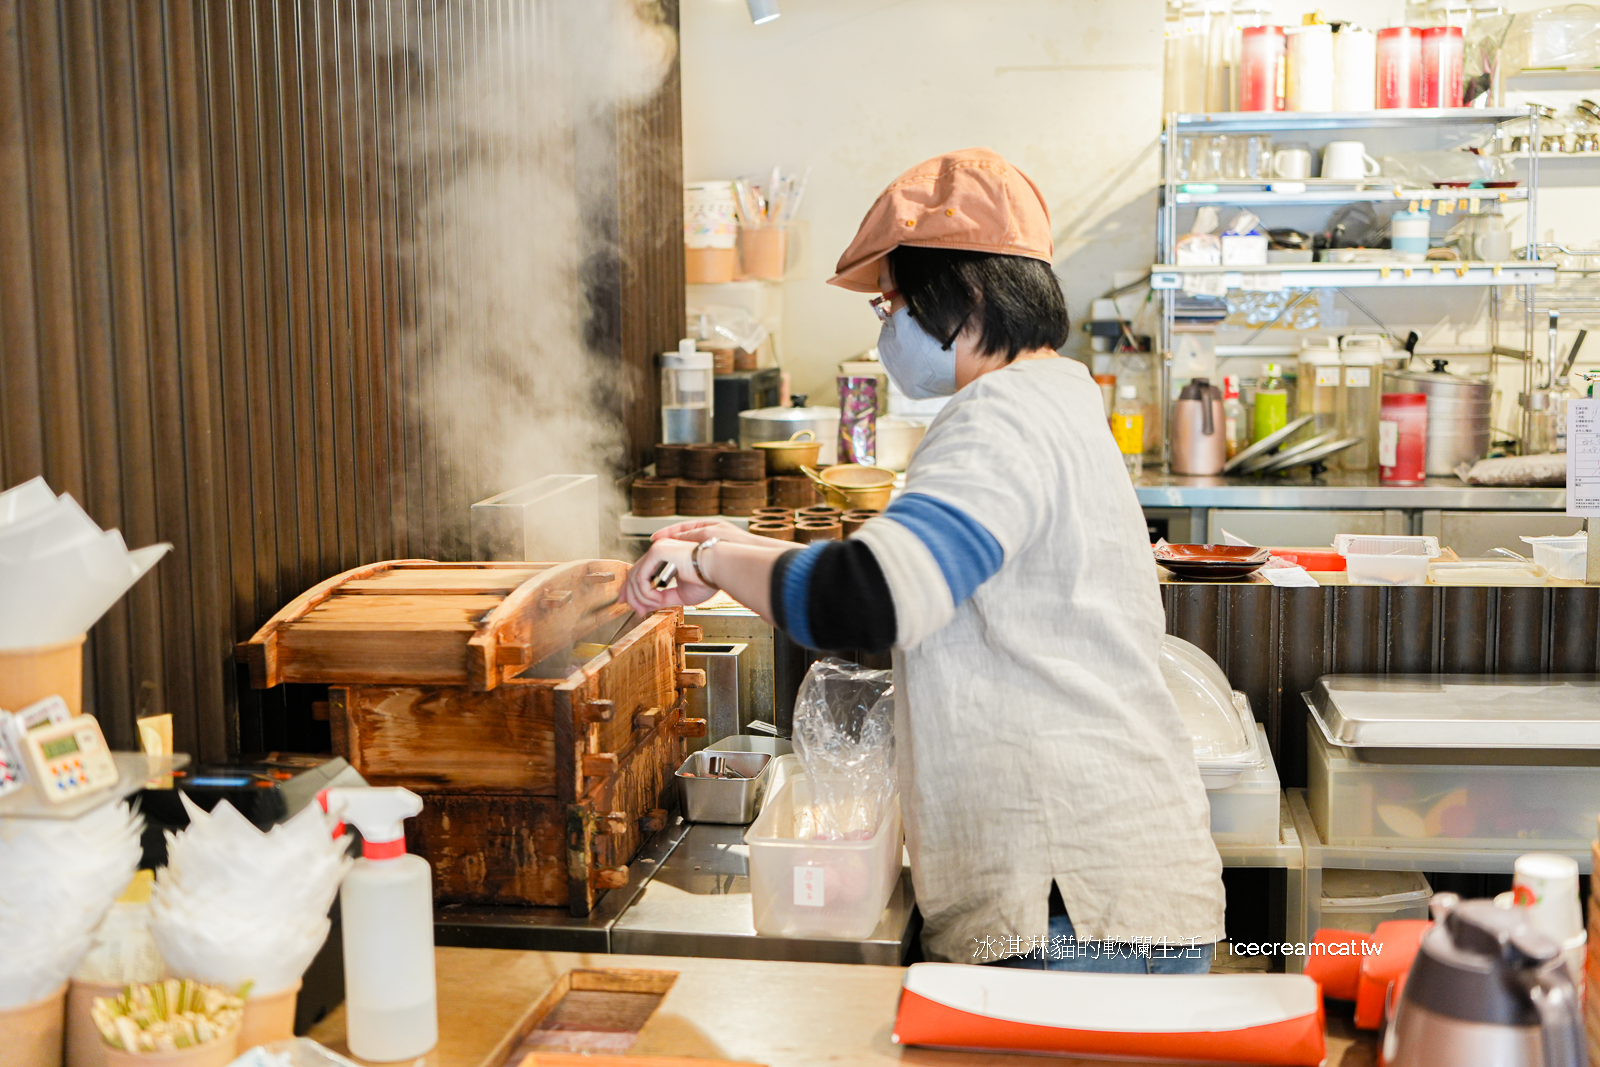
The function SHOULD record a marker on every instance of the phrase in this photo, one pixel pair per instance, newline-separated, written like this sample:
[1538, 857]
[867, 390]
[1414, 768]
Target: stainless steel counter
[1338, 490]
[688, 895]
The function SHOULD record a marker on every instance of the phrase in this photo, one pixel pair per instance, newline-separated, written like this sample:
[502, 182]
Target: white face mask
[920, 367]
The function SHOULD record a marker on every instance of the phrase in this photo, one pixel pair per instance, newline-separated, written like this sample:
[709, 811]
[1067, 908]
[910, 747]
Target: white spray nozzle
[687, 346]
[379, 814]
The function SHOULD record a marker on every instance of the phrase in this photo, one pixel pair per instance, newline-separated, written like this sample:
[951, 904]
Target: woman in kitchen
[1054, 812]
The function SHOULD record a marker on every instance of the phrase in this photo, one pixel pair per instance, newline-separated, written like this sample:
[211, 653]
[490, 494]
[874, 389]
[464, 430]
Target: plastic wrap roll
[858, 420]
[1399, 80]
[1355, 64]
[1262, 71]
[1311, 68]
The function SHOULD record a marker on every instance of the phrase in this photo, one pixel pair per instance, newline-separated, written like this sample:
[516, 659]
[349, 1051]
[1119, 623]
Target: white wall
[860, 90]
[1069, 90]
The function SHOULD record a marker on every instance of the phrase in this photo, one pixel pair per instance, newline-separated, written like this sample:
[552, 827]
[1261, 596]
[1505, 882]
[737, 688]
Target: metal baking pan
[732, 800]
[1506, 713]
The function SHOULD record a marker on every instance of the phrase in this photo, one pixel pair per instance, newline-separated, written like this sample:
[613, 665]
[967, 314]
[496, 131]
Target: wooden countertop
[774, 1013]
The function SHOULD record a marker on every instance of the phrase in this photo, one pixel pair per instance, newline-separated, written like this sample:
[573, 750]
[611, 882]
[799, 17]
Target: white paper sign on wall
[1583, 457]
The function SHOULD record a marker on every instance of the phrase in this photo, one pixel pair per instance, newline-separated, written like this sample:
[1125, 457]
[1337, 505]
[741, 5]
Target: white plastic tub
[811, 888]
[1562, 557]
[1359, 900]
[1246, 813]
[1386, 560]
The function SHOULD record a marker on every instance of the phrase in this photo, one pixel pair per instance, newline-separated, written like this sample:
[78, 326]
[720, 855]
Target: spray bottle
[386, 909]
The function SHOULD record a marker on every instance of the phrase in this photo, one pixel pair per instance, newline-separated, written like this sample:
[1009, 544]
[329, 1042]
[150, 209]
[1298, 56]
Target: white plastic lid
[1128, 392]
[687, 357]
[1385, 545]
[1219, 732]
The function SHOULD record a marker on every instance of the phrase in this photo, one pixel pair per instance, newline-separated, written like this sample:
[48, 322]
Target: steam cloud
[493, 131]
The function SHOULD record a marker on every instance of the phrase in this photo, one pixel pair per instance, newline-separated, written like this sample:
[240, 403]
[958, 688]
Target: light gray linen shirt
[1036, 738]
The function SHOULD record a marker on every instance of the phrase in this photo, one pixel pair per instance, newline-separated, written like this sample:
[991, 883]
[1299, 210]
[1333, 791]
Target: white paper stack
[58, 878]
[235, 905]
[59, 572]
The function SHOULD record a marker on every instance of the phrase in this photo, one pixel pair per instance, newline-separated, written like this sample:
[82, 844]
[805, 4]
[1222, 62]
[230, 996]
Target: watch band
[694, 558]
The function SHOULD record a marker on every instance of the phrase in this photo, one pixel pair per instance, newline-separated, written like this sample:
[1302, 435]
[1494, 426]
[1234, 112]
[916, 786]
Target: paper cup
[1547, 885]
[30, 1035]
[85, 1046]
[268, 1018]
[28, 675]
[218, 1053]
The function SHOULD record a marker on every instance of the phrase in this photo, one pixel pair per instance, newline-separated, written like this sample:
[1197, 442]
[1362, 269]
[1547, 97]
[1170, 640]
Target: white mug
[1291, 161]
[1348, 161]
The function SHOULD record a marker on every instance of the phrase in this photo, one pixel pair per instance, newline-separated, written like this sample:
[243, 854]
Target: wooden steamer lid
[417, 622]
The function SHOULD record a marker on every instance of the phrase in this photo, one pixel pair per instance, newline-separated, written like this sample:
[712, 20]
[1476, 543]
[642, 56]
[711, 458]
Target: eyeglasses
[882, 306]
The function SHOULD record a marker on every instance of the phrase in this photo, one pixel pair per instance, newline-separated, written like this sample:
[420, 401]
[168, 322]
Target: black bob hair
[1018, 299]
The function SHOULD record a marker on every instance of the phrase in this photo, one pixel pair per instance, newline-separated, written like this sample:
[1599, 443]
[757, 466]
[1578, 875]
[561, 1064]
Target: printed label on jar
[1129, 432]
[1388, 443]
[809, 886]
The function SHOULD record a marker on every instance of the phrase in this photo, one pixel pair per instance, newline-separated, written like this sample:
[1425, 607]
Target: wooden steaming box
[543, 746]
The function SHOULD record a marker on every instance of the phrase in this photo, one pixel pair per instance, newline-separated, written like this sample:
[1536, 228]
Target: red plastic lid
[1259, 31]
[1400, 31]
[383, 850]
[1442, 31]
[1411, 400]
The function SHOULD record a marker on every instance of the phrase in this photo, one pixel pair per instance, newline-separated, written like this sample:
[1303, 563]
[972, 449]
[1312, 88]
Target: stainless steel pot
[779, 424]
[1459, 409]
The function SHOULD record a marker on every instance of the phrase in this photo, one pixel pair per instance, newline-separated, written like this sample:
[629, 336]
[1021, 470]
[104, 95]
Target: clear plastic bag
[844, 736]
[295, 1052]
[1557, 38]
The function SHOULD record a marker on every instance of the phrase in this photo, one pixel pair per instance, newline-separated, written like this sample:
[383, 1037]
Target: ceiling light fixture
[763, 10]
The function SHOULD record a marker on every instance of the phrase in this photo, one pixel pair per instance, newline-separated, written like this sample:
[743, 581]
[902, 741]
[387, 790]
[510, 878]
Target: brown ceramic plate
[1215, 563]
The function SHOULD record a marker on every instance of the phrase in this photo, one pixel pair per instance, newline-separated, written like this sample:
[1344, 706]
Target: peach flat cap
[972, 200]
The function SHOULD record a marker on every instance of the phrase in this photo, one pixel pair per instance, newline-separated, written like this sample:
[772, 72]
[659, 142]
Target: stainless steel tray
[733, 801]
[1458, 711]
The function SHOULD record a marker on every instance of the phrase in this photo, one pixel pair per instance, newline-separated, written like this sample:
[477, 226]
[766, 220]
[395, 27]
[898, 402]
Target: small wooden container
[820, 511]
[722, 361]
[709, 266]
[854, 520]
[809, 530]
[268, 1018]
[793, 491]
[743, 498]
[654, 497]
[771, 514]
[31, 674]
[31, 1034]
[778, 531]
[742, 465]
[85, 1046]
[700, 462]
[669, 460]
[218, 1053]
[699, 498]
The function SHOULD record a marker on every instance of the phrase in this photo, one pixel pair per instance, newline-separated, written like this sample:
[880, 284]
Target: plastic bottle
[1127, 426]
[1233, 416]
[1272, 404]
[386, 910]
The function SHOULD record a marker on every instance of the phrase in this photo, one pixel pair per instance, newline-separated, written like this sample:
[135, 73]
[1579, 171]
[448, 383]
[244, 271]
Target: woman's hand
[695, 530]
[689, 591]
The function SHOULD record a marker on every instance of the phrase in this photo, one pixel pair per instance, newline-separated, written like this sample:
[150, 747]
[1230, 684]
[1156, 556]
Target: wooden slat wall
[219, 293]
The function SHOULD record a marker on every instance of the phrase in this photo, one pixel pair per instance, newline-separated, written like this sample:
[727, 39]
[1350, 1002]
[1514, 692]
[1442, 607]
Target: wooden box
[542, 742]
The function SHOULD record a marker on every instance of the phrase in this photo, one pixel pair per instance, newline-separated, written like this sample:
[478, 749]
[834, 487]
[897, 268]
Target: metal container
[733, 800]
[1458, 413]
[779, 424]
[717, 702]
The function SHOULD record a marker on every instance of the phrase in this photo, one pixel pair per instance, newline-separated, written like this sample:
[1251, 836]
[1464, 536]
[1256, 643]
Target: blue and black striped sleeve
[835, 594]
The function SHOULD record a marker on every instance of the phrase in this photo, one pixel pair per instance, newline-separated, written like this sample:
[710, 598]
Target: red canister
[1400, 67]
[1403, 438]
[1263, 74]
[1443, 52]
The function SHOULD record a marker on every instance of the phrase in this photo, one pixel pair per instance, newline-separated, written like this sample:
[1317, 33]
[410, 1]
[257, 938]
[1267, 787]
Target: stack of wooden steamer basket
[542, 742]
[719, 479]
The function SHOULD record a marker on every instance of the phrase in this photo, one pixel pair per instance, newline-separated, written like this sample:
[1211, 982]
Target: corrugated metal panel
[1274, 643]
[221, 290]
